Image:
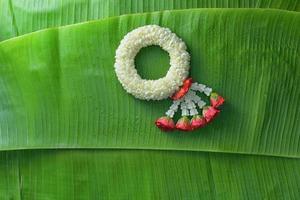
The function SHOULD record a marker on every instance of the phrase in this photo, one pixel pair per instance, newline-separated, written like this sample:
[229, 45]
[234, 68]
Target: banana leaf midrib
[230, 153]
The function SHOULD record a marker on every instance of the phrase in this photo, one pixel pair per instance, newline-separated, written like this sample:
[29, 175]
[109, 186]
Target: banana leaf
[19, 17]
[59, 90]
[144, 174]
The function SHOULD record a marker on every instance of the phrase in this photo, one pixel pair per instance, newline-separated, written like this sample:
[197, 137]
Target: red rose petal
[198, 122]
[210, 113]
[183, 124]
[187, 83]
[216, 100]
[165, 123]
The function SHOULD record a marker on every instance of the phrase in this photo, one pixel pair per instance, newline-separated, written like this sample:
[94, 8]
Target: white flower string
[185, 97]
[151, 89]
[189, 102]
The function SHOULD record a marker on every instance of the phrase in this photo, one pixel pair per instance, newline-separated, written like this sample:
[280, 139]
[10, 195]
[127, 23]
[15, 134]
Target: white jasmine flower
[151, 89]
[207, 91]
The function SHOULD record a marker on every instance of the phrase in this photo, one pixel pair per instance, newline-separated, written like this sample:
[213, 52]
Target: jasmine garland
[176, 85]
[151, 89]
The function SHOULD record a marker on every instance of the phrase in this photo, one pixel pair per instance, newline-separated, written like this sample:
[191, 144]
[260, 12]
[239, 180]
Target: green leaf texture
[130, 174]
[59, 89]
[19, 17]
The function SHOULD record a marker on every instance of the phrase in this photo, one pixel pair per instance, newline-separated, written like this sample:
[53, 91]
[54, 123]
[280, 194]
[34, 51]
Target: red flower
[165, 123]
[210, 113]
[187, 83]
[198, 121]
[216, 100]
[184, 124]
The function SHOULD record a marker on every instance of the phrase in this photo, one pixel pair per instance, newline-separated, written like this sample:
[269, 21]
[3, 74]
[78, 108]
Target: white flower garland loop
[151, 89]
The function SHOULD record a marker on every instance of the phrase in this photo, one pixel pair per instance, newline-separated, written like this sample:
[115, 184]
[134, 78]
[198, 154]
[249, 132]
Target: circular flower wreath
[168, 86]
[151, 89]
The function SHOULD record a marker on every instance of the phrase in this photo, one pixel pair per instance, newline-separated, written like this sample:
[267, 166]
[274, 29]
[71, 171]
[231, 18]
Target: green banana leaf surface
[144, 174]
[59, 92]
[57, 97]
[19, 17]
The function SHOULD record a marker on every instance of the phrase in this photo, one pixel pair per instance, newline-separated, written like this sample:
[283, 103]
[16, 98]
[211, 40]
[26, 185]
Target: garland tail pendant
[190, 103]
